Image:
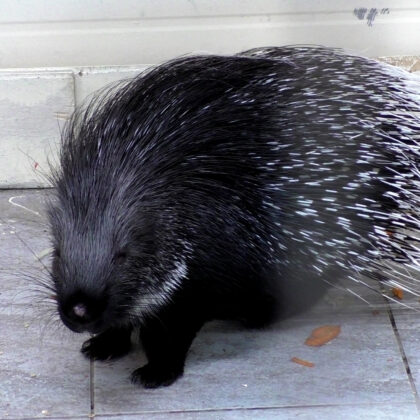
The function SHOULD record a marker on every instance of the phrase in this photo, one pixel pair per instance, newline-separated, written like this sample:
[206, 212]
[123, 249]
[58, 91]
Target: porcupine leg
[166, 341]
[111, 344]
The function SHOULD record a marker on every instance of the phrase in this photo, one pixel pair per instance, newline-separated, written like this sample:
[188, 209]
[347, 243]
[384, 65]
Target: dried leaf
[302, 362]
[323, 335]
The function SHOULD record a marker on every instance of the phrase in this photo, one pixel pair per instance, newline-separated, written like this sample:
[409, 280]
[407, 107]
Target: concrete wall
[51, 33]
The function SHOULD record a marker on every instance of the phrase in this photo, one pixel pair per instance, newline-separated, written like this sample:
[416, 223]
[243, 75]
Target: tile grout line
[243, 409]
[403, 355]
[75, 91]
[92, 388]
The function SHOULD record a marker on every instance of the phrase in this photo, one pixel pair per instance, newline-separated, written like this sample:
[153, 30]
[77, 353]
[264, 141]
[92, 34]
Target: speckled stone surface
[231, 373]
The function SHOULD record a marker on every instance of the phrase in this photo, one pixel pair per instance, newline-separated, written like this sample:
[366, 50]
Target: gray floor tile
[230, 368]
[23, 237]
[40, 365]
[231, 373]
[408, 326]
[40, 369]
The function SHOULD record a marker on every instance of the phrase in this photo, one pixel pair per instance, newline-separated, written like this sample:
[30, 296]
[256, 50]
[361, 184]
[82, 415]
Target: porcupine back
[366, 122]
[354, 139]
[295, 163]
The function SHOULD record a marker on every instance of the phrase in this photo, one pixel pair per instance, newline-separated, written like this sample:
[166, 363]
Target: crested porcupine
[225, 187]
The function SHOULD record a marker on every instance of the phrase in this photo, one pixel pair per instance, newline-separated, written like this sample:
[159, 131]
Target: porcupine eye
[120, 257]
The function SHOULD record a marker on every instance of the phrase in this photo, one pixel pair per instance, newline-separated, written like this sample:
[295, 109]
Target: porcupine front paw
[108, 345]
[154, 376]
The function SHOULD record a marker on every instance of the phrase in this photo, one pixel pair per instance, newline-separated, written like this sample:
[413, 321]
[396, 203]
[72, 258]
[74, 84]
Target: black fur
[226, 187]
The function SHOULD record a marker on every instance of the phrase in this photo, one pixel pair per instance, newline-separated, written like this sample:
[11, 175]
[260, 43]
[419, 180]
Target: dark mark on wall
[369, 14]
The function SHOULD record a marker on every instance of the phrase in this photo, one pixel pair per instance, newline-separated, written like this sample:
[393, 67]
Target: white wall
[51, 33]
[55, 52]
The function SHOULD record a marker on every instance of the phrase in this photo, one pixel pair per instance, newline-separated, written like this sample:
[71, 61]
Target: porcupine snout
[83, 311]
[84, 285]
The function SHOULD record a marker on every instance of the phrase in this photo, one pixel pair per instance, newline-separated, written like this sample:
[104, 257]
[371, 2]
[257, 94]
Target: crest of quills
[214, 187]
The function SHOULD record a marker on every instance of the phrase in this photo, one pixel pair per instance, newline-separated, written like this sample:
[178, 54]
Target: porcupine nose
[81, 312]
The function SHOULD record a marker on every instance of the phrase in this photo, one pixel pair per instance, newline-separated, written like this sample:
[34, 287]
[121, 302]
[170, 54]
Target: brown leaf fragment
[302, 362]
[323, 335]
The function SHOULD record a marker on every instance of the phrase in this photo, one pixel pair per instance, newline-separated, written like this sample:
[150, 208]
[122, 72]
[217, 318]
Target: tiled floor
[231, 373]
